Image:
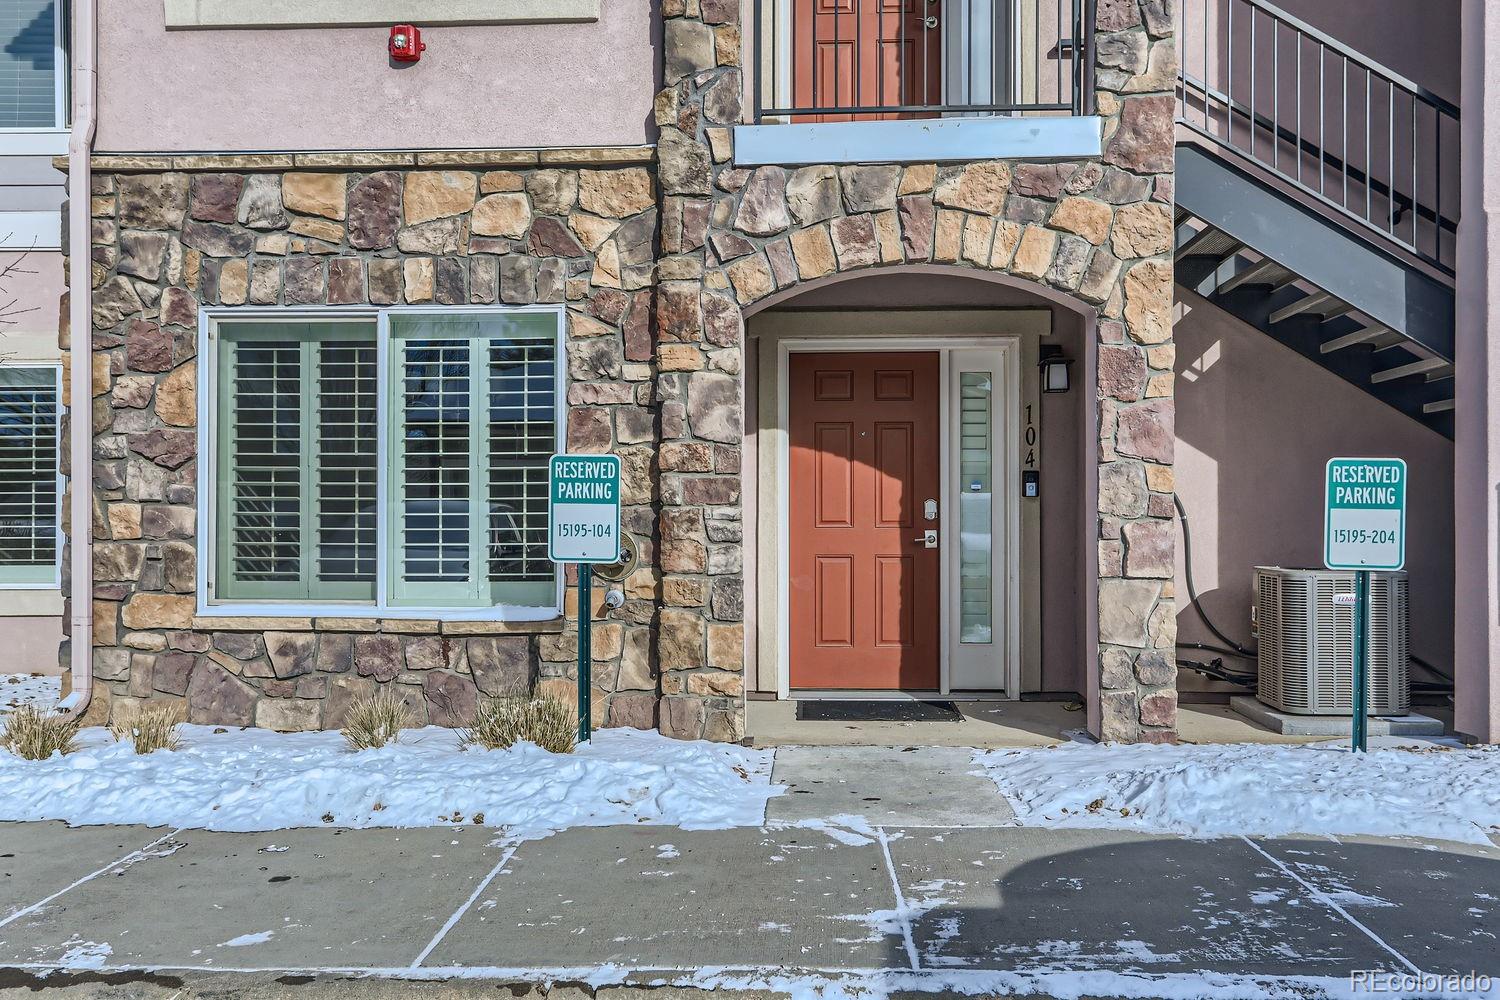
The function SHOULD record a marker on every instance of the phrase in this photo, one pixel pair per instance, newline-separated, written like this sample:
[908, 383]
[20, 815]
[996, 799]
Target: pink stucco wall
[1255, 424]
[1477, 490]
[35, 284]
[315, 89]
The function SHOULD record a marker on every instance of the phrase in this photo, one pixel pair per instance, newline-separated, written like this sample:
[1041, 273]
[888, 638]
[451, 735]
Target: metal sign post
[1364, 529]
[583, 527]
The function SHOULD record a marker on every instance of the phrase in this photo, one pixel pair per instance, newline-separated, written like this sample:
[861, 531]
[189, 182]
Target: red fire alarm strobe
[406, 43]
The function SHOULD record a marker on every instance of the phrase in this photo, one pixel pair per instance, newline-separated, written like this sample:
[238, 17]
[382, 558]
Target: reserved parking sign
[1364, 515]
[583, 508]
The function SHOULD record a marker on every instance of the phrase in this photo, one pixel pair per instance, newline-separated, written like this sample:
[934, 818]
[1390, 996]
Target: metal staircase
[1316, 201]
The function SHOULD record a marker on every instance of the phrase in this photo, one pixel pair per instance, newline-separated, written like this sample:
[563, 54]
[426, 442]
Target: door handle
[929, 538]
[930, 21]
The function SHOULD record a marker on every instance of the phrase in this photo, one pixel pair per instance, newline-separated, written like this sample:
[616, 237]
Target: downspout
[80, 334]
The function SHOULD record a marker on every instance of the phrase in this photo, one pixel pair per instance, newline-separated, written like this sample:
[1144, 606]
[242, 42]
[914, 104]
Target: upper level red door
[864, 586]
[865, 54]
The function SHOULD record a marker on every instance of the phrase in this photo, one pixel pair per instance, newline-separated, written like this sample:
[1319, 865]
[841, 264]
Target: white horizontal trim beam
[34, 142]
[42, 600]
[363, 13]
[928, 140]
[31, 230]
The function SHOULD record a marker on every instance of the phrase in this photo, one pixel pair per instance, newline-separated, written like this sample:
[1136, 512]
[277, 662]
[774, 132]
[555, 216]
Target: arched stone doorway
[1057, 636]
[1011, 610]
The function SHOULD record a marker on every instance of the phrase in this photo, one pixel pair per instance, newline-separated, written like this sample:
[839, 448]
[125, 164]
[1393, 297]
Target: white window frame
[208, 389]
[220, 14]
[47, 140]
[56, 581]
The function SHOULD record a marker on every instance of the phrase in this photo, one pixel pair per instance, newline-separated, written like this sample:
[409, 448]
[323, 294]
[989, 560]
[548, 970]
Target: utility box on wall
[1306, 640]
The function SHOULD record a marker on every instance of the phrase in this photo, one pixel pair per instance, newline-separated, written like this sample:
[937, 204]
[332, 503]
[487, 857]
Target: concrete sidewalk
[905, 877]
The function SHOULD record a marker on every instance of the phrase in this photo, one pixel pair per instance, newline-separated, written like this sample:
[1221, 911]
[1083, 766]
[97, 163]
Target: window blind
[346, 476]
[436, 470]
[474, 424]
[28, 475]
[28, 88]
[523, 432]
[975, 508]
[296, 491]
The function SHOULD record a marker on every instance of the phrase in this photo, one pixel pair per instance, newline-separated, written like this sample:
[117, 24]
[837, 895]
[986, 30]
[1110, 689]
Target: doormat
[878, 711]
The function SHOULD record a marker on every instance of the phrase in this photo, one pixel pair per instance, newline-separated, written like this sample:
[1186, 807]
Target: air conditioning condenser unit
[1306, 654]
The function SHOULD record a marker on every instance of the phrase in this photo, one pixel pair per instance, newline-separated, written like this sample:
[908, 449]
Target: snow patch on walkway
[254, 779]
[1398, 789]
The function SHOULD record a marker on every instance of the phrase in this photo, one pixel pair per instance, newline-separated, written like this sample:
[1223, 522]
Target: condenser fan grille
[1306, 655]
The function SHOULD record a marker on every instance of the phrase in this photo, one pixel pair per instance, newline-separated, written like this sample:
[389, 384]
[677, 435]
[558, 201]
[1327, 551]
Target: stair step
[1210, 242]
[1262, 272]
[1308, 303]
[1440, 406]
[1419, 367]
[1361, 336]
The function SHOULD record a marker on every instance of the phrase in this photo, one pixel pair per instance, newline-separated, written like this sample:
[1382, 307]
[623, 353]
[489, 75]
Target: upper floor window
[385, 461]
[33, 92]
[28, 476]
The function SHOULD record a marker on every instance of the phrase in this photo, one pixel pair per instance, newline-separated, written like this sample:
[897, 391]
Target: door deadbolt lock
[928, 539]
[929, 509]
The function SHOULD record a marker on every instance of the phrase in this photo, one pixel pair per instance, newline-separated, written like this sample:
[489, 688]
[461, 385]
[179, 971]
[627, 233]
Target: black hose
[1216, 671]
[1211, 648]
[1187, 562]
[1429, 668]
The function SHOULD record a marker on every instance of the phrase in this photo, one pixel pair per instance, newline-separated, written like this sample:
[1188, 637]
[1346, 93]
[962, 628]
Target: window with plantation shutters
[474, 425]
[29, 93]
[28, 476]
[296, 490]
[394, 461]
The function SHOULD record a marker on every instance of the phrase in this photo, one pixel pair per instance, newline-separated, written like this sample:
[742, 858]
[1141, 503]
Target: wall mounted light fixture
[1054, 368]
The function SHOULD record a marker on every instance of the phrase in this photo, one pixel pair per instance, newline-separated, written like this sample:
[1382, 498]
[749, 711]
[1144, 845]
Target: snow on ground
[1047, 982]
[1400, 788]
[253, 779]
[1069, 984]
[28, 689]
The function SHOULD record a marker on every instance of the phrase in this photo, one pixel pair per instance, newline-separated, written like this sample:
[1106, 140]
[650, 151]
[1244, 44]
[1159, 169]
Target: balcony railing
[871, 60]
[1378, 149]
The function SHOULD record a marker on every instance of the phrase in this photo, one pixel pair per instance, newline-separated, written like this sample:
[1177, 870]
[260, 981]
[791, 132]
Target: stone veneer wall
[170, 234]
[1098, 230]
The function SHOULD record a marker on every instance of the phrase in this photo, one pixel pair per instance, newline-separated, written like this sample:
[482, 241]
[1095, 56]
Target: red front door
[864, 587]
[865, 54]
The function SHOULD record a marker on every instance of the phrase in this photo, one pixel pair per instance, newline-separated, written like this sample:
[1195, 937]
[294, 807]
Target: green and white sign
[583, 508]
[1364, 514]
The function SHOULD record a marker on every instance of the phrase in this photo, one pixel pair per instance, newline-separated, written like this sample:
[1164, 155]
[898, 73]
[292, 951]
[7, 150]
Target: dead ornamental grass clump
[34, 734]
[155, 727]
[546, 721]
[375, 720]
